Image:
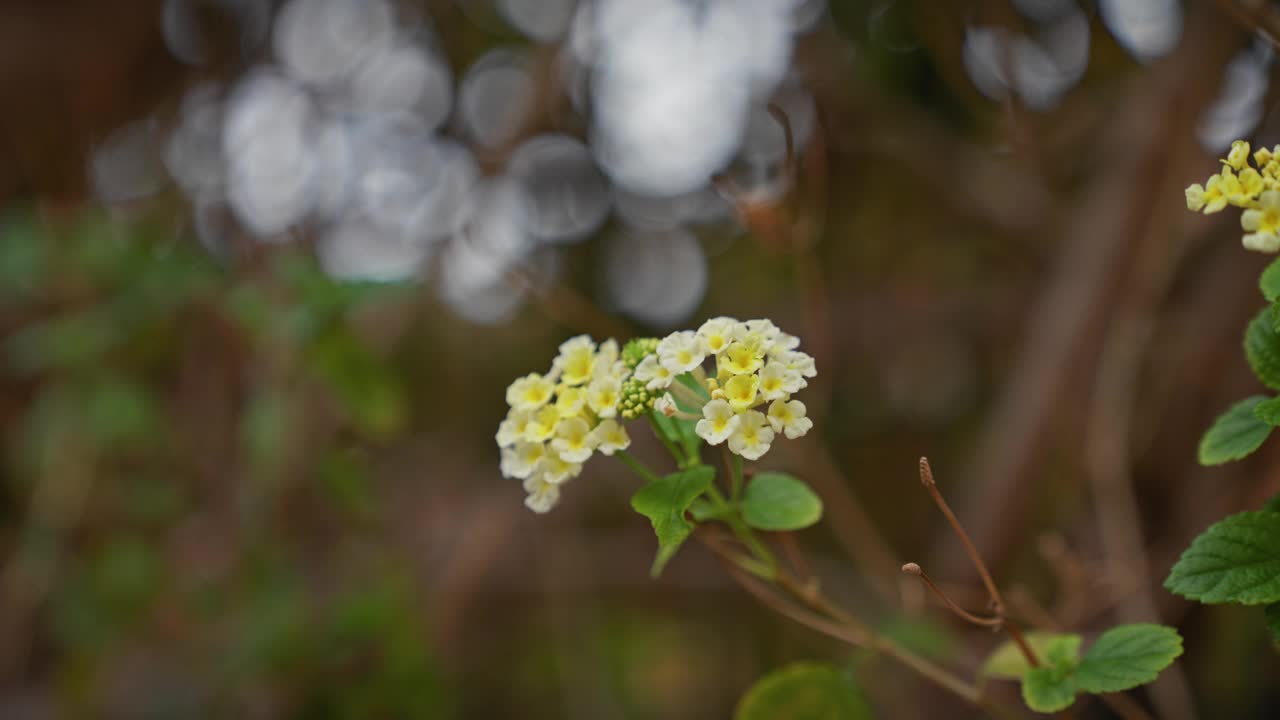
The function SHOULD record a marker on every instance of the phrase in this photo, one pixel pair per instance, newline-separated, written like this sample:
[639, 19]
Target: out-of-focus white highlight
[569, 198]
[1039, 70]
[266, 140]
[1146, 28]
[494, 97]
[323, 41]
[657, 277]
[542, 20]
[673, 83]
[1239, 105]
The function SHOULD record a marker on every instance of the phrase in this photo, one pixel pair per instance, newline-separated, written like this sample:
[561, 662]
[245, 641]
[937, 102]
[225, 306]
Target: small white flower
[570, 401]
[543, 495]
[519, 462]
[556, 470]
[530, 392]
[573, 441]
[653, 374]
[666, 405]
[800, 362]
[576, 361]
[610, 437]
[512, 429]
[603, 395]
[718, 422]
[541, 424]
[752, 438]
[789, 417]
[773, 381]
[718, 332]
[681, 352]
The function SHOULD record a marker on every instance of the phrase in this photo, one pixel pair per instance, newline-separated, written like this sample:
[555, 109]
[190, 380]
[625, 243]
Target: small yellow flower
[739, 358]
[1238, 157]
[1215, 194]
[1262, 156]
[741, 390]
[1251, 184]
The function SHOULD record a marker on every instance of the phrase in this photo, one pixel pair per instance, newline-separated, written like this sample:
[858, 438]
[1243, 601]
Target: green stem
[636, 466]
[735, 475]
[681, 460]
[731, 514]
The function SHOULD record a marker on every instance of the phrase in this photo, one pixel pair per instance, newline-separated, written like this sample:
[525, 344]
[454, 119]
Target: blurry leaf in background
[1008, 662]
[804, 691]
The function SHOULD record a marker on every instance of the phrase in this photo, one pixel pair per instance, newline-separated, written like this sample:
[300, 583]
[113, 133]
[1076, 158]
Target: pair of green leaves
[771, 501]
[1121, 658]
[1243, 428]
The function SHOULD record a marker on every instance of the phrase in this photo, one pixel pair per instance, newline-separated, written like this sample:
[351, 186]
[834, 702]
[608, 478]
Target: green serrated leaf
[1048, 690]
[1268, 411]
[1269, 281]
[1262, 348]
[804, 691]
[664, 501]
[1008, 662]
[1127, 656]
[1236, 560]
[774, 501]
[1235, 433]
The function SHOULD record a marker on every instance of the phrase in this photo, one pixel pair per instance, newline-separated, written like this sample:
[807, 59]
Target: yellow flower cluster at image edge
[558, 420]
[1255, 190]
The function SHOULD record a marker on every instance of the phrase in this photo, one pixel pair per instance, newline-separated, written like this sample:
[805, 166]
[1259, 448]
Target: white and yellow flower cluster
[756, 366]
[558, 420]
[1255, 190]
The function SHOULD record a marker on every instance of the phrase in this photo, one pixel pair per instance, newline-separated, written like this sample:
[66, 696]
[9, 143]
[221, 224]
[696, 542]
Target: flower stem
[681, 459]
[636, 466]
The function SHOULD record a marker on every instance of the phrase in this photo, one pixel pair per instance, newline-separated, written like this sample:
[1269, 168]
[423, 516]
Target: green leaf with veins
[664, 501]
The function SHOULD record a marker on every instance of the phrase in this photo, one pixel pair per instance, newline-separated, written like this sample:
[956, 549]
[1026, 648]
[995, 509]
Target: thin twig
[926, 478]
[993, 622]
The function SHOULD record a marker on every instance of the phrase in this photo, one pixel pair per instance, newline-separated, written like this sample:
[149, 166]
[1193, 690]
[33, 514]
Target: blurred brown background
[242, 480]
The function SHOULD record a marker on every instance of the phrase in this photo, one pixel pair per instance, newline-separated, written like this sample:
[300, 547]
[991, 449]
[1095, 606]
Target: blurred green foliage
[150, 384]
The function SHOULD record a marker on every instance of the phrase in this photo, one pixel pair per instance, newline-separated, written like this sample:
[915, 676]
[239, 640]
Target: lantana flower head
[731, 381]
[1255, 190]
